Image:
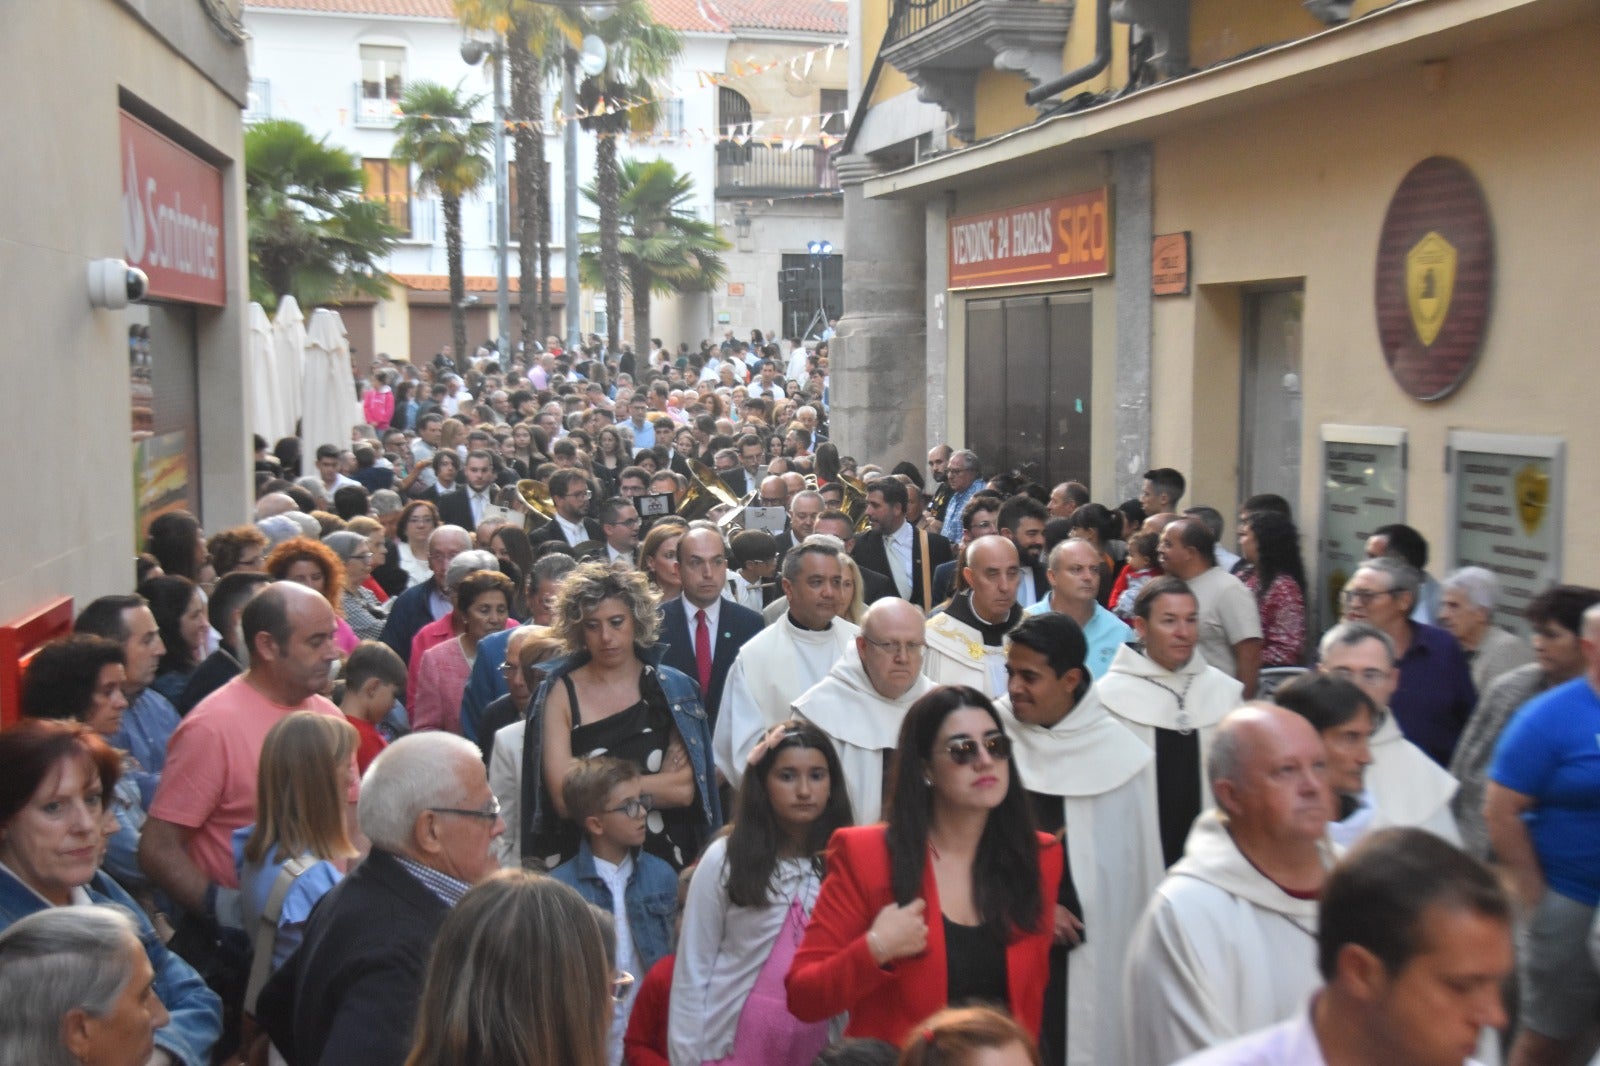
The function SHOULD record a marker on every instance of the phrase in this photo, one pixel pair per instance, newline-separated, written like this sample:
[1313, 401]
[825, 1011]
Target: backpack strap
[267, 932]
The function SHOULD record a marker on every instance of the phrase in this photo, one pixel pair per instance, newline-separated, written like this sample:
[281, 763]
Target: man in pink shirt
[209, 788]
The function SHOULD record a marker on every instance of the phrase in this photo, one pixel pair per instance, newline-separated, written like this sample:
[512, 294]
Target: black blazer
[875, 586]
[871, 553]
[740, 483]
[455, 509]
[551, 531]
[349, 993]
[735, 626]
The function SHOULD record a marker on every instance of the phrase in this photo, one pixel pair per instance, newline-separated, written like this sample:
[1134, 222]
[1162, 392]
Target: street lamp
[473, 52]
[741, 224]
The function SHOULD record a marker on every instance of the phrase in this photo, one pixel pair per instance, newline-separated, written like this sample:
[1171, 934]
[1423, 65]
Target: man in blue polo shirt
[1074, 577]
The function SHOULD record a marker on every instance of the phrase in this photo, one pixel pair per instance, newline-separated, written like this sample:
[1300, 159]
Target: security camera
[113, 284]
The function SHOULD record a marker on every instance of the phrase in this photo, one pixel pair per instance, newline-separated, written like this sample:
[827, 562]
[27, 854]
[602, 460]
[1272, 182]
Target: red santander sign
[172, 217]
[1068, 237]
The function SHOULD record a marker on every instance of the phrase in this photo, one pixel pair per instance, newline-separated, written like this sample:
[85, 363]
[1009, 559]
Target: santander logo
[171, 216]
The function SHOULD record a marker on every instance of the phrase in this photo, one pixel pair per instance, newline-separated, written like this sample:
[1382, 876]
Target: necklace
[1183, 714]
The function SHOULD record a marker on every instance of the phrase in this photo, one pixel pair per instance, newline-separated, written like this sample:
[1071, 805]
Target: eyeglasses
[490, 813]
[1363, 595]
[634, 808]
[897, 648]
[621, 985]
[584, 495]
[965, 750]
[363, 557]
[630, 523]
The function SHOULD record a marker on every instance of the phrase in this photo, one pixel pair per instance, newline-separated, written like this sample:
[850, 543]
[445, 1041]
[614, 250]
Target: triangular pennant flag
[827, 58]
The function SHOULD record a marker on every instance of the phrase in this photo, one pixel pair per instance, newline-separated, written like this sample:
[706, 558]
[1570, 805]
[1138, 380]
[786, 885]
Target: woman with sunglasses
[751, 895]
[949, 903]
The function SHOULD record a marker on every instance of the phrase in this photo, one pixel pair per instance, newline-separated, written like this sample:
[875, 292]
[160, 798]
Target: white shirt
[616, 877]
[478, 500]
[745, 592]
[900, 553]
[575, 534]
[713, 614]
[613, 556]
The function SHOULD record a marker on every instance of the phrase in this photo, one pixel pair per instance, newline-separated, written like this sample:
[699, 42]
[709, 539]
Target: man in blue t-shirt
[1543, 812]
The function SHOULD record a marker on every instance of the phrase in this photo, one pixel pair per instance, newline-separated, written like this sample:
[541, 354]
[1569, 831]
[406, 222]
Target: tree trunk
[526, 103]
[458, 281]
[610, 239]
[639, 284]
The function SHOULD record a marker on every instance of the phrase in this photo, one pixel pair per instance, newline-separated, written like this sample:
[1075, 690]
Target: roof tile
[810, 16]
[433, 9]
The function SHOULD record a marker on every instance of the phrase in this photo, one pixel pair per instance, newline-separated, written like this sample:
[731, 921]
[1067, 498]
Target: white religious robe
[772, 671]
[1407, 787]
[1106, 780]
[862, 724]
[1142, 694]
[1220, 951]
[957, 655]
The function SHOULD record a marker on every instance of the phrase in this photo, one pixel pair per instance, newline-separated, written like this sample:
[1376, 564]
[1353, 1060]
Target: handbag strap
[267, 932]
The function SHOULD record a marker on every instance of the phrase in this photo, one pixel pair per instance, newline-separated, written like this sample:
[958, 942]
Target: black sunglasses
[965, 750]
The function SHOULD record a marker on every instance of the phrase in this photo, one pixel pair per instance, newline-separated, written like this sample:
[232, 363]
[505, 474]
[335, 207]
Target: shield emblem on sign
[1430, 278]
[1533, 497]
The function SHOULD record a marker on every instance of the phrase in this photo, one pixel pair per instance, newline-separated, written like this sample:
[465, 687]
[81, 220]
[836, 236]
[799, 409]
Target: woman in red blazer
[952, 901]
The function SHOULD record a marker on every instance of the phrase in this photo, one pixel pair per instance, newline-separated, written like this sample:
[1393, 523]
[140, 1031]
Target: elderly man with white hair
[1466, 608]
[448, 626]
[425, 601]
[350, 992]
[862, 701]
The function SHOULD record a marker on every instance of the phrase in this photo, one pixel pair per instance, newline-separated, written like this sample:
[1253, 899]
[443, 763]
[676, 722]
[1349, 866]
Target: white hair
[407, 778]
[1477, 583]
[468, 562]
[58, 960]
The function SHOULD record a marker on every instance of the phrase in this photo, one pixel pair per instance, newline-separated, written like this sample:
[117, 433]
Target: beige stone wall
[1299, 191]
[780, 94]
[70, 530]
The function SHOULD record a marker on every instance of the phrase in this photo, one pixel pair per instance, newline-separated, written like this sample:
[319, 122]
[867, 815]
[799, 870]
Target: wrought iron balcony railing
[768, 170]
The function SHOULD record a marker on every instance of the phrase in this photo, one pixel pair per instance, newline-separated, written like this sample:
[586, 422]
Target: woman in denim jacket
[612, 696]
[54, 780]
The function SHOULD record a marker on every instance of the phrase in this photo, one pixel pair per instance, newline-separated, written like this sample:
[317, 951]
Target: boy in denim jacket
[612, 872]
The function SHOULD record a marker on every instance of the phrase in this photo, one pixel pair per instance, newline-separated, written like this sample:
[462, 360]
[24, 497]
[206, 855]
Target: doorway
[1271, 393]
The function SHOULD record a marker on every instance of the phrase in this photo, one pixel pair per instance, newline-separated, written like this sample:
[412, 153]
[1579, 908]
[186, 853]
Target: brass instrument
[538, 506]
[706, 494]
[854, 503]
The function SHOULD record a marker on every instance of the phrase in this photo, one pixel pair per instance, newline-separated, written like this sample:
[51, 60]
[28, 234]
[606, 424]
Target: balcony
[946, 45]
[379, 112]
[757, 170]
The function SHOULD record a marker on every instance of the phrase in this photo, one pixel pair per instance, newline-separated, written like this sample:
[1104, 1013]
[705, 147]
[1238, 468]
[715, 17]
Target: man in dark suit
[908, 556]
[423, 603]
[746, 477]
[570, 492]
[705, 652]
[465, 507]
[619, 527]
[351, 990]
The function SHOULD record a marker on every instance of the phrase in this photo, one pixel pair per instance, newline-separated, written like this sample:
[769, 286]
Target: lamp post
[473, 52]
[569, 145]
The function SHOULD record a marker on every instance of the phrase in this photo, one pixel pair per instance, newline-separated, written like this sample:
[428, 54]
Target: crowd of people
[591, 711]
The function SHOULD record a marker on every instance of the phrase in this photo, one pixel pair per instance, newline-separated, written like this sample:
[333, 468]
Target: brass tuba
[706, 494]
[538, 507]
[854, 503]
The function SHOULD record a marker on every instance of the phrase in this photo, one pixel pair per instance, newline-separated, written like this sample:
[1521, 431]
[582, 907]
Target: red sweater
[645, 1043]
[833, 970]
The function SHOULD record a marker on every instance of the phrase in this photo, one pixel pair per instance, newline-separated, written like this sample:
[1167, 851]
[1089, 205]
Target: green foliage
[311, 232]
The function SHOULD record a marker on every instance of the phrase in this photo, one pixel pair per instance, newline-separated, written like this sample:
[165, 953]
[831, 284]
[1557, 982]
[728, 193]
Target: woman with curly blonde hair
[611, 695]
[315, 565]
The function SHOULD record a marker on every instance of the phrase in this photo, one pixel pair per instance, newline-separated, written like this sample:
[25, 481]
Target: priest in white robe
[1228, 943]
[1091, 778]
[1163, 690]
[966, 643]
[785, 659]
[1404, 786]
[864, 698]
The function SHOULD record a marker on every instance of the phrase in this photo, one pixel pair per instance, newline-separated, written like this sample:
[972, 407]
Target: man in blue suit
[703, 629]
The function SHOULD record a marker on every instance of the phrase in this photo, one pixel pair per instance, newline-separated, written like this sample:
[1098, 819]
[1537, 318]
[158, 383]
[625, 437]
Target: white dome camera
[113, 284]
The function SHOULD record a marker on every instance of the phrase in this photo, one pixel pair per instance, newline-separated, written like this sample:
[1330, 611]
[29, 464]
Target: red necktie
[702, 653]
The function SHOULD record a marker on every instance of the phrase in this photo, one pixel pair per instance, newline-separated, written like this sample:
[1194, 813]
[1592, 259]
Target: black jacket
[349, 994]
[737, 626]
[872, 554]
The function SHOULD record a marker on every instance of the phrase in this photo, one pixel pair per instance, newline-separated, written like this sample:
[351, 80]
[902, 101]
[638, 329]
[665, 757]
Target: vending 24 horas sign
[1068, 237]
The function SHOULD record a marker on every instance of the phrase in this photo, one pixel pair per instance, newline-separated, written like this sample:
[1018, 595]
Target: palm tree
[436, 131]
[663, 248]
[620, 99]
[312, 234]
[532, 32]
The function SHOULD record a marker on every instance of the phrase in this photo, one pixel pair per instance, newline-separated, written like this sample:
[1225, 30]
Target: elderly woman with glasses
[953, 899]
[362, 611]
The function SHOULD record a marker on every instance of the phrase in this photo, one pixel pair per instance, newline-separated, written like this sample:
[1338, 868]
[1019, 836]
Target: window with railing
[389, 183]
[769, 169]
[382, 80]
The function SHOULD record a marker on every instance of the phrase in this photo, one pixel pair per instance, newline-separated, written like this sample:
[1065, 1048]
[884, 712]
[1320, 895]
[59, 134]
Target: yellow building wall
[1299, 191]
[1222, 29]
[874, 21]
